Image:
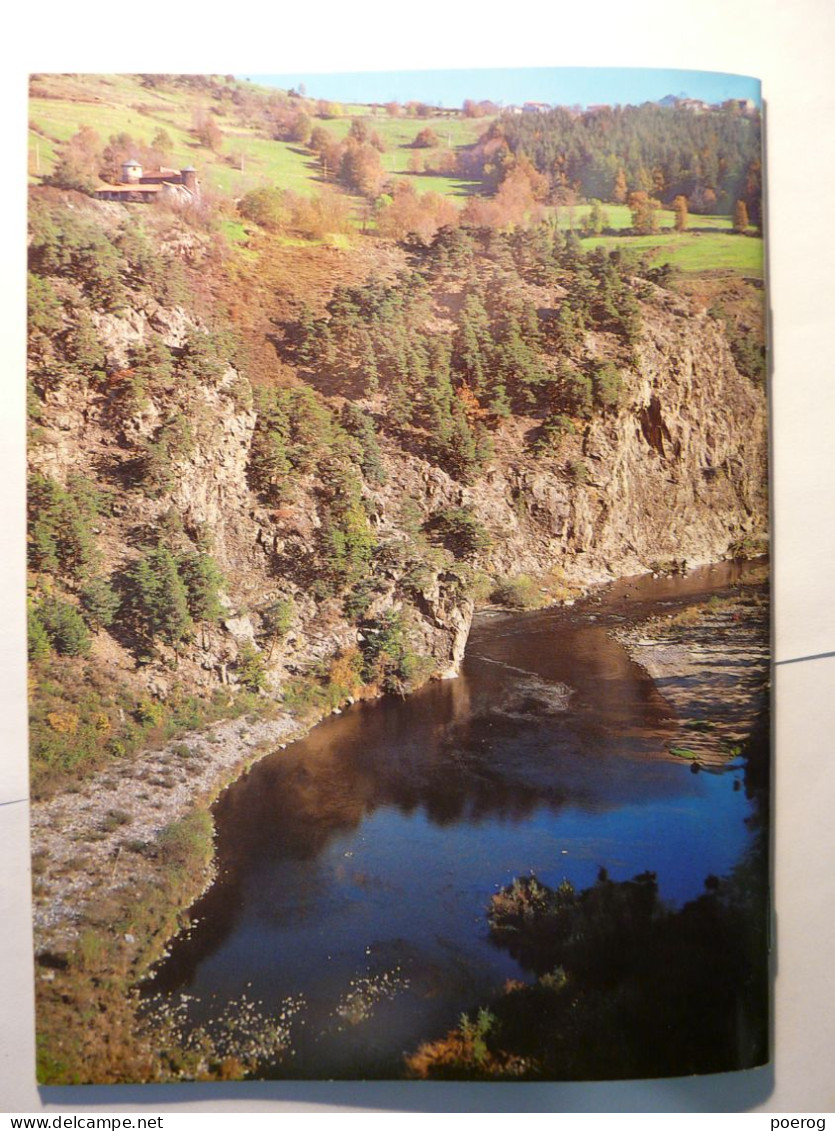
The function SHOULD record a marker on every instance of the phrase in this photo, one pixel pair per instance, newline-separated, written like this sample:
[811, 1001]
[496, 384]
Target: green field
[693, 251]
[113, 104]
[619, 217]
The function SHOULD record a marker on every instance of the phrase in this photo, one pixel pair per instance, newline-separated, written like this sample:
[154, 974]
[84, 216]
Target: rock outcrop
[675, 474]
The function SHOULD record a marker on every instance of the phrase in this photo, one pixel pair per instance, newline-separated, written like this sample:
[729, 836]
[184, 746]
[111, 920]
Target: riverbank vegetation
[619, 984]
[622, 986]
[285, 437]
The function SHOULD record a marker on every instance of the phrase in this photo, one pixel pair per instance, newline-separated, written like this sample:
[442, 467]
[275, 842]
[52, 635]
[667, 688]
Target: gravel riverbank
[97, 842]
[711, 663]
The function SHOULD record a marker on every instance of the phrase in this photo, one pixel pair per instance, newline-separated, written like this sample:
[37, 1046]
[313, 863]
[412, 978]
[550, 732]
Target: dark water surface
[357, 864]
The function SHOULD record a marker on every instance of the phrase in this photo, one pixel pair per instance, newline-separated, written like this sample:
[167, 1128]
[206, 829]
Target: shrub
[99, 602]
[519, 592]
[388, 657]
[554, 427]
[462, 530]
[203, 581]
[251, 667]
[267, 207]
[64, 626]
[188, 844]
[578, 472]
[606, 385]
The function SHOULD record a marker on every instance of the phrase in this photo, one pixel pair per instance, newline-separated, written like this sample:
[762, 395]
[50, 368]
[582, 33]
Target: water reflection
[369, 850]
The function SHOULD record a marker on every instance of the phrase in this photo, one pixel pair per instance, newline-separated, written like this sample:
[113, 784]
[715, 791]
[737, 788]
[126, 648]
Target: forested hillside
[260, 458]
[388, 365]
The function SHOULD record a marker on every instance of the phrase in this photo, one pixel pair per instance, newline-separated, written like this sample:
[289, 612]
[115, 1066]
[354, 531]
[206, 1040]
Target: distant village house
[138, 186]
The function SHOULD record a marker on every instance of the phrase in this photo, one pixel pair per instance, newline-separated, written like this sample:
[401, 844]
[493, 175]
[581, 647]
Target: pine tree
[64, 626]
[156, 599]
[99, 602]
[203, 581]
[472, 344]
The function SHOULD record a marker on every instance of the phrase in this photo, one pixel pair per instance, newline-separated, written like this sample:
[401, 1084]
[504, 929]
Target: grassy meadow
[113, 104]
[694, 251]
[245, 159]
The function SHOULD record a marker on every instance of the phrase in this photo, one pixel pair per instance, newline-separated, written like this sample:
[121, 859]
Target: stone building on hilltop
[139, 186]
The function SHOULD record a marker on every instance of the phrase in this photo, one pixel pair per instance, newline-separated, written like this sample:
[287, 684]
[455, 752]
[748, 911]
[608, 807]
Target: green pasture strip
[619, 217]
[41, 156]
[691, 251]
[268, 162]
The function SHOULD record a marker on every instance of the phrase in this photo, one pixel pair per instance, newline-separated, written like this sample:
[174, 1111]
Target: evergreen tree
[269, 461]
[64, 626]
[99, 602]
[156, 599]
[360, 425]
[38, 637]
[61, 540]
[472, 344]
[203, 581]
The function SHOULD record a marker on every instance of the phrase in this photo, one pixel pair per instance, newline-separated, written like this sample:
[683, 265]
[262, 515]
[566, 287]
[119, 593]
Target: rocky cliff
[135, 398]
[676, 474]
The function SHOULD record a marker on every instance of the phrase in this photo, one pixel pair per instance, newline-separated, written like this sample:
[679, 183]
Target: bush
[251, 667]
[388, 657]
[606, 385]
[267, 207]
[64, 627]
[99, 602]
[554, 427]
[188, 843]
[203, 581]
[462, 530]
[519, 592]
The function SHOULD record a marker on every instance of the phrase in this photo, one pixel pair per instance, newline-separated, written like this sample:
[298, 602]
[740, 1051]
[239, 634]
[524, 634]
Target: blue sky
[566, 86]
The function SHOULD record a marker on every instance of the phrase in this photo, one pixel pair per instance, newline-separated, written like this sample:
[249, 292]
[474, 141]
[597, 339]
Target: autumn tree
[680, 212]
[360, 169]
[426, 139]
[644, 209]
[359, 130]
[740, 216]
[620, 191]
[206, 130]
[162, 143]
[327, 213]
[78, 165]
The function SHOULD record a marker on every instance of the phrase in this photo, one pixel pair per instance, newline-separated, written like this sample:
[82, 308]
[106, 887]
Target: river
[355, 866]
